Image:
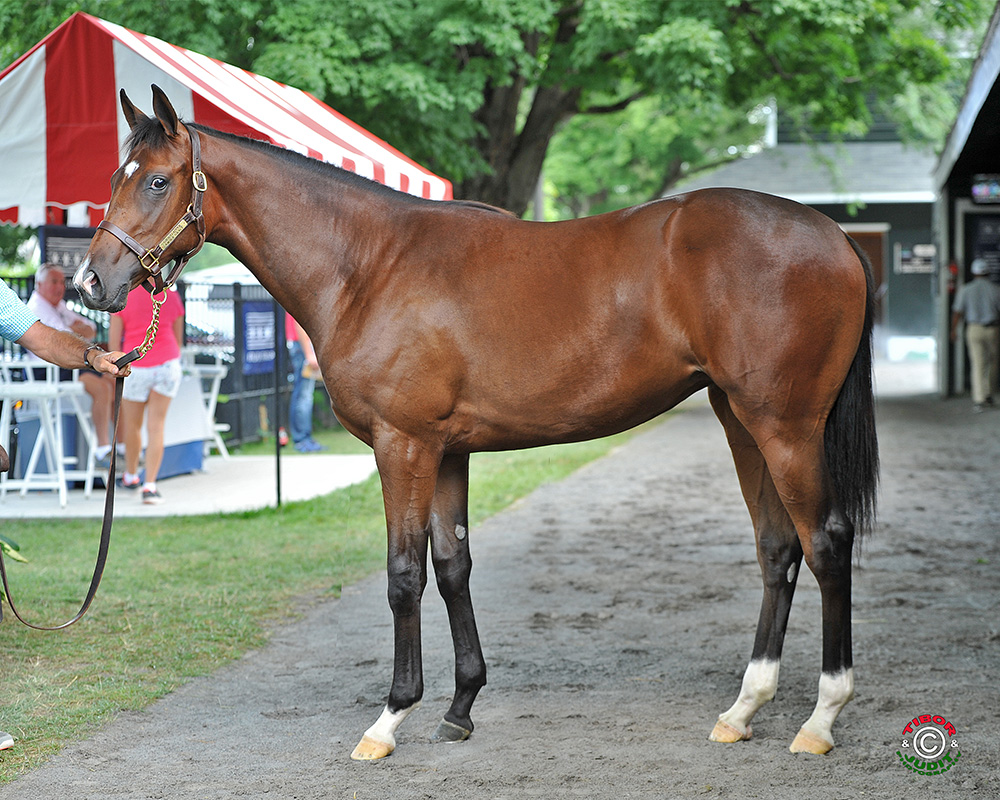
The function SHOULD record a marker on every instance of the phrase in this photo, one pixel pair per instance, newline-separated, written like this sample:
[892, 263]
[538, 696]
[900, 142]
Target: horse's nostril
[89, 285]
[85, 278]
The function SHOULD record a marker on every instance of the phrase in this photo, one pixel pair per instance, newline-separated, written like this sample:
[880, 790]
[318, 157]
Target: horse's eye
[158, 183]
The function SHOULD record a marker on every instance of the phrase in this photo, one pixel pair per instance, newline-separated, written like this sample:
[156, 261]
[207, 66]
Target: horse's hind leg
[779, 555]
[797, 461]
[452, 567]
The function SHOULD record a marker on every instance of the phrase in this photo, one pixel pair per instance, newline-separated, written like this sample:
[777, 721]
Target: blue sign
[258, 337]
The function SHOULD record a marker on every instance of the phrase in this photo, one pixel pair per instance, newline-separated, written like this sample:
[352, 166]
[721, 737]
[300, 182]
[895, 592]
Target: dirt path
[617, 610]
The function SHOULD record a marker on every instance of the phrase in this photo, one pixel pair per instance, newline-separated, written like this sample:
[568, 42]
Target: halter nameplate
[173, 233]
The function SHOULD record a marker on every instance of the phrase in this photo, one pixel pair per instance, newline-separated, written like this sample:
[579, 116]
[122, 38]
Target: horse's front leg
[452, 567]
[408, 471]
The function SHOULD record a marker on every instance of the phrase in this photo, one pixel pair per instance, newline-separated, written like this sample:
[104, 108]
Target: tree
[492, 81]
[225, 29]
[477, 89]
[14, 239]
[599, 163]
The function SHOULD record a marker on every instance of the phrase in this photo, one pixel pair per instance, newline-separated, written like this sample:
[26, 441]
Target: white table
[51, 398]
[210, 377]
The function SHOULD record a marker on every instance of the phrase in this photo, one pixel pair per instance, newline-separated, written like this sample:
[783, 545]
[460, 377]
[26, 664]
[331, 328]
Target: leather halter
[150, 257]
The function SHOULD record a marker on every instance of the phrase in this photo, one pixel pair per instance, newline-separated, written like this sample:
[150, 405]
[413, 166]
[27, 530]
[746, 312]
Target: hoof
[450, 732]
[806, 742]
[724, 732]
[369, 749]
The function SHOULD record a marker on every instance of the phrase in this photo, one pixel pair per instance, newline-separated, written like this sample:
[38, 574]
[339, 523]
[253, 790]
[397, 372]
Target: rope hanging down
[109, 497]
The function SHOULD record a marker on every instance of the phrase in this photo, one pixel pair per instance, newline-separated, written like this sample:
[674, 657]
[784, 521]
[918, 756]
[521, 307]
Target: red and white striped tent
[61, 127]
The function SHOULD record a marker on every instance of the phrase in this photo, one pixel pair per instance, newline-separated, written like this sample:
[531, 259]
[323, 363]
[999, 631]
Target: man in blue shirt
[978, 304]
[19, 324]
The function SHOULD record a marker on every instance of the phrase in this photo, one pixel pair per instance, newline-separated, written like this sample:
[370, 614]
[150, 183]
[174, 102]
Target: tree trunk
[516, 160]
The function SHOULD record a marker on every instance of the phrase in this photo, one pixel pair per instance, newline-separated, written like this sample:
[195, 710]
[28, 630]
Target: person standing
[63, 348]
[305, 370]
[49, 306]
[978, 304]
[154, 382]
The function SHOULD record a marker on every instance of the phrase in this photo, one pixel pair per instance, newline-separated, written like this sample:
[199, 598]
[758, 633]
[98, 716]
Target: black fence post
[279, 375]
[239, 348]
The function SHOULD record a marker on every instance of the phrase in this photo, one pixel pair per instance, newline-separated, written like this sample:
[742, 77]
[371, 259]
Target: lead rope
[109, 485]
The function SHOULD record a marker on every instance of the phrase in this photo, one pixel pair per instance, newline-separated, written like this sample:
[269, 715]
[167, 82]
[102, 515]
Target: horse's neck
[269, 219]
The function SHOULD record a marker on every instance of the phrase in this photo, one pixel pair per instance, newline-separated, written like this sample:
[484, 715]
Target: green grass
[182, 596]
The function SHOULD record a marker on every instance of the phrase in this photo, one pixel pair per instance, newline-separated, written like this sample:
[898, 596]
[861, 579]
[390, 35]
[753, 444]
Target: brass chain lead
[154, 324]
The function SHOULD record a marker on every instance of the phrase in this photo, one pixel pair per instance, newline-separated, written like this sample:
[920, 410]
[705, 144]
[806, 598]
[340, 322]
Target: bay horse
[448, 328]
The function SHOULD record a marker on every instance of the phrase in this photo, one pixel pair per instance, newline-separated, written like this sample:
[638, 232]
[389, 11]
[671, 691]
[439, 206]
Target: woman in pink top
[154, 382]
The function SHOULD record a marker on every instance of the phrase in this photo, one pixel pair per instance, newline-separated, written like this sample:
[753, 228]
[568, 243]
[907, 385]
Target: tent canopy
[61, 127]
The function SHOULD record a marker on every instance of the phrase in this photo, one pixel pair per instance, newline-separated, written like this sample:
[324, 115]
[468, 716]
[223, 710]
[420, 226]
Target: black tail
[850, 438]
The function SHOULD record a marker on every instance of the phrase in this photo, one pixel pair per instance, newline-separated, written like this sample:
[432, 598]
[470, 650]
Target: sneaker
[151, 497]
[102, 456]
[6, 741]
[122, 484]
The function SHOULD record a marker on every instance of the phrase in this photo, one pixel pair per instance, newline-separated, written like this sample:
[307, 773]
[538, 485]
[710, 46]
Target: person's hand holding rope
[100, 360]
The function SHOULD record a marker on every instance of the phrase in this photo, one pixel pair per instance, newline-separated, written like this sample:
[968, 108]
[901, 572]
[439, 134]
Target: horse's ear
[133, 116]
[165, 111]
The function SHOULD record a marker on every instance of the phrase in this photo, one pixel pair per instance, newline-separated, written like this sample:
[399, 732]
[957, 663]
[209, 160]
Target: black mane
[150, 132]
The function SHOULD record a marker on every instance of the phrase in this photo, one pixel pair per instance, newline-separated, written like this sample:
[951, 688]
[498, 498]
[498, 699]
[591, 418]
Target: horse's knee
[407, 579]
[779, 561]
[452, 574]
[451, 557]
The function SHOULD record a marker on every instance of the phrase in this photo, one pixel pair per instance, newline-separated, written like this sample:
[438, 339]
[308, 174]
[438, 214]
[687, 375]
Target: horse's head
[155, 211]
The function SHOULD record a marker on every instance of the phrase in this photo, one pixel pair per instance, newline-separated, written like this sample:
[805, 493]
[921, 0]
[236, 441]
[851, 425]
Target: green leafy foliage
[13, 239]
[10, 550]
[478, 89]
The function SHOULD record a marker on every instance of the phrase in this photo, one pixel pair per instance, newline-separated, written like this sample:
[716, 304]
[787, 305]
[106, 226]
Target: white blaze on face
[130, 168]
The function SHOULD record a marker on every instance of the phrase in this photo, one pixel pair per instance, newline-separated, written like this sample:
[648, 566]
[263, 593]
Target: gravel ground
[617, 610]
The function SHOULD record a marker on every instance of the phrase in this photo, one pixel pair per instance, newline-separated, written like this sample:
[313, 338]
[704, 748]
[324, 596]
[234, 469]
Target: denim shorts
[163, 379]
